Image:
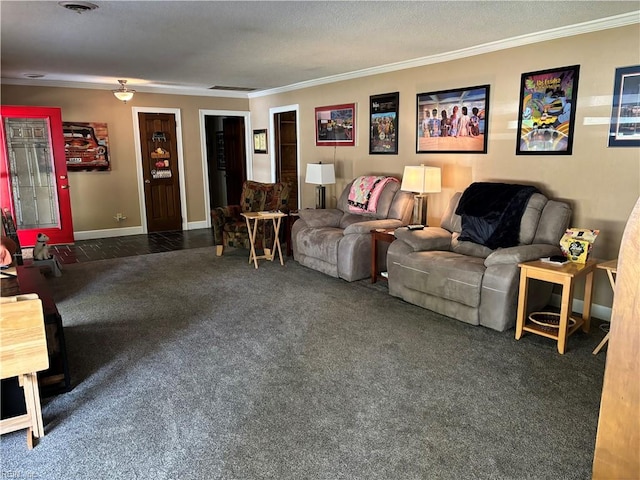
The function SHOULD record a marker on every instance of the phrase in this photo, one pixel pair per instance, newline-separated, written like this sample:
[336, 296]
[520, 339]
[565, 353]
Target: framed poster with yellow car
[547, 111]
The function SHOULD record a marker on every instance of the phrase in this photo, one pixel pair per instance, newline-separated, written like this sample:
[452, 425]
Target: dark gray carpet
[192, 366]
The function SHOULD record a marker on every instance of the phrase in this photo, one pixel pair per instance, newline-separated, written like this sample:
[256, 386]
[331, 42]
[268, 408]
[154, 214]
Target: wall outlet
[120, 217]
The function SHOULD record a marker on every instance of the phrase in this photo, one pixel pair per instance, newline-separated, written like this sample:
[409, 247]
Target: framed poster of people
[336, 125]
[453, 121]
[624, 129]
[547, 111]
[383, 124]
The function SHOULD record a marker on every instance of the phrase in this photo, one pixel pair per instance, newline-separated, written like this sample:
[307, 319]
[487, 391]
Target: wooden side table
[611, 267]
[23, 352]
[379, 235]
[255, 217]
[564, 275]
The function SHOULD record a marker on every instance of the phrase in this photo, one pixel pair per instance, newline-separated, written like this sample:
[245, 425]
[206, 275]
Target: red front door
[33, 173]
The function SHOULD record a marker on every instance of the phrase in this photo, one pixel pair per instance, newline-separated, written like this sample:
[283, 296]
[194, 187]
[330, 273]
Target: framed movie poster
[383, 124]
[86, 146]
[336, 125]
[625, 113]
[547, 111]
[453, 121]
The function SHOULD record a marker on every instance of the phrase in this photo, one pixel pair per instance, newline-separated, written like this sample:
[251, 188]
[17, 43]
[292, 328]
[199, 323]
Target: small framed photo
[453, 121]
[547, 111]
[336, 125]
[625, 113]
[260, 141]
[383, 124]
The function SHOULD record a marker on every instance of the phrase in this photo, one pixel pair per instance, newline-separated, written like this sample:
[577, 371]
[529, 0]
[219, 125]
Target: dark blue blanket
[491, 213]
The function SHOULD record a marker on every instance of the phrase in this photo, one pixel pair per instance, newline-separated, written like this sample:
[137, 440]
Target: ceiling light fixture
[123, 93]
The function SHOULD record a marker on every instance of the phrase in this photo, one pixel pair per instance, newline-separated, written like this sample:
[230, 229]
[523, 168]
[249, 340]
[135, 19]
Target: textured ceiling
[261, 45]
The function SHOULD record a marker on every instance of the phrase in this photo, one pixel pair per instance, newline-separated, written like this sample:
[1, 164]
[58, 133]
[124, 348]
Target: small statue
[41, 250]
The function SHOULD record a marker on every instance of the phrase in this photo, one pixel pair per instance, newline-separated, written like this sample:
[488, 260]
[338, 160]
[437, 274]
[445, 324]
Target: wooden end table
[564, 275]
[379, 235]
[255, 217]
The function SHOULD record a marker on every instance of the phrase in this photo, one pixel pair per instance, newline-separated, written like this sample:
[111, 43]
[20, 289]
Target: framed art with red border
[336, 125]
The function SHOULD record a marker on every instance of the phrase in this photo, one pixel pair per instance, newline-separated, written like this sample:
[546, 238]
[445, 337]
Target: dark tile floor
[131, 245]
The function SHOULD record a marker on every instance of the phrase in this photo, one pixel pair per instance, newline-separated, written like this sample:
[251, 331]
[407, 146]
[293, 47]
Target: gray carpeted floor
[192, 366]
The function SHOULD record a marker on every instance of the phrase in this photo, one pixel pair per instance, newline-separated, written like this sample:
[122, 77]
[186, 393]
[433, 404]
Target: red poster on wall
[86, 146]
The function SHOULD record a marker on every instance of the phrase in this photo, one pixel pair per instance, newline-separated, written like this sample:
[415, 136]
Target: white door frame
[272, 141]
[136, 139]
[203, 150]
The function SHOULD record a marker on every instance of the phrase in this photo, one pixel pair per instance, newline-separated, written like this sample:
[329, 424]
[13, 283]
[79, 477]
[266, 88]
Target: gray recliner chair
[337, 242]
[468, 281]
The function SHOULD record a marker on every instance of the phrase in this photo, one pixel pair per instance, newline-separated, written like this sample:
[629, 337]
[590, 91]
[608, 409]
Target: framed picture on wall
[260, 141]
[624, 130]
[547, 111]
[383, 124]
[453, 121]
[86, 146]
[336, 125]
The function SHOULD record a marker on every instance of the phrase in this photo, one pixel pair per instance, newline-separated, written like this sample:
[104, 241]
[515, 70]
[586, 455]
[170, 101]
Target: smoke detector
[78, 7]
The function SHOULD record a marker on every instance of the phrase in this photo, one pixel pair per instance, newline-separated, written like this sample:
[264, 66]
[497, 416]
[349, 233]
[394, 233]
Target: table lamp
[421, 180]
[320, 174]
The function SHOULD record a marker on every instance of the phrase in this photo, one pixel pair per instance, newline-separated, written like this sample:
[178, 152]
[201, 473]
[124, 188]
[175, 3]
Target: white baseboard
[123, 232]
[107, 233]
[197, 225]
[598, 311]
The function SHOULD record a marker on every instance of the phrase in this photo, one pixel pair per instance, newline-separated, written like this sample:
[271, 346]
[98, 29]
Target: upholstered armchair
[230, 227]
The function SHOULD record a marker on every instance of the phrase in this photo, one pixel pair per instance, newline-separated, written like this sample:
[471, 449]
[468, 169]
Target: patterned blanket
[365, 192]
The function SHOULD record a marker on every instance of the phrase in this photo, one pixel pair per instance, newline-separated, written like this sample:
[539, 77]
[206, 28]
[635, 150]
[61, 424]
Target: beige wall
[97, 196]
[601, 183]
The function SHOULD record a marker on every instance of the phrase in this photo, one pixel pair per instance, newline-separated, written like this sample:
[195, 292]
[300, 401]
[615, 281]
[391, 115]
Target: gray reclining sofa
[337, 242]
[448, 270]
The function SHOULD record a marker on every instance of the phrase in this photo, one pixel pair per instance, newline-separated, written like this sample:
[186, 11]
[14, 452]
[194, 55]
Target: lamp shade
[422, 179]
[320, 174]
[123, 94]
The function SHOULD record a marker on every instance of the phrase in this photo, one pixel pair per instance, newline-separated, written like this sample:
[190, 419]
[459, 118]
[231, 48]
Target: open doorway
[285, 148]
[225, 156]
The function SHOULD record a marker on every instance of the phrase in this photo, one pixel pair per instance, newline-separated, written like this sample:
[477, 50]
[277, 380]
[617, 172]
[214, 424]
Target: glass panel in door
[33, 184]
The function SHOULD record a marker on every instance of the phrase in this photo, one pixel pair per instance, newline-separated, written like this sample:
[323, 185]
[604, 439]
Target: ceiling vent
[78, 7]
[232, 89]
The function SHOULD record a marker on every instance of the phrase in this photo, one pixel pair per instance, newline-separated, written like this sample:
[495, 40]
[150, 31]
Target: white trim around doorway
[203, 151]
[136, 139]
[272, 141]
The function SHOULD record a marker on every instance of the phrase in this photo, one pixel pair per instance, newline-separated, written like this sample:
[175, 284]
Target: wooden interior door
[160, 171]
[235, 156]
[286, 152]
[33, 172]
